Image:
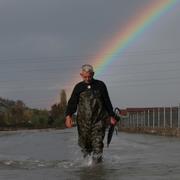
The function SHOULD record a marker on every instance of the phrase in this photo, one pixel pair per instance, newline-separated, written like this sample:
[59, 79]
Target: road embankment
[157, 131]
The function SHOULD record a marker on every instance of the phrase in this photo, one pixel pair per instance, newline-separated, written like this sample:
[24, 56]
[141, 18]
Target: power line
[118, 81]
[53, 99]
[74, 66]
[141, 72]
[61, 59]
[148, 83]
[45, 79]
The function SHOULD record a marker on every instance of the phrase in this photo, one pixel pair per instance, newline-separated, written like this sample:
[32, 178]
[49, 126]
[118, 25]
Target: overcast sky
[43, 44]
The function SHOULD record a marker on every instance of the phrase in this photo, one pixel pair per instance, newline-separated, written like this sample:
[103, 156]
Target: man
[91, 100]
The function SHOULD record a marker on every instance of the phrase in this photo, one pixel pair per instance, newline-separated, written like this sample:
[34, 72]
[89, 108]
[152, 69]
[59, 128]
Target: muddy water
[54, 155]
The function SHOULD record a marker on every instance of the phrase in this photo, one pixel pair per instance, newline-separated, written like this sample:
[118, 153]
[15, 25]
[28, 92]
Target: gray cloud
[43, 43]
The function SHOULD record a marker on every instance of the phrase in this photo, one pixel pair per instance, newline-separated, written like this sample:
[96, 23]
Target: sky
[43, 44]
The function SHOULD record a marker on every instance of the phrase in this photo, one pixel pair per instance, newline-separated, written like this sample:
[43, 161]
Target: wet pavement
[54, 155]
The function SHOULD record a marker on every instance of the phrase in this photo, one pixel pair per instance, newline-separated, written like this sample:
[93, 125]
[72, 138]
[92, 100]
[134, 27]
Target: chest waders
[91, 123]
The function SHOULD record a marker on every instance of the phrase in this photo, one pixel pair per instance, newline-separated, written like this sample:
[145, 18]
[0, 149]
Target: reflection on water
[54, 155]
[34, 164]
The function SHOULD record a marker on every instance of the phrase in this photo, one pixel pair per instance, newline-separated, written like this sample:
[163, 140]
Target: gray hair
[87, 68]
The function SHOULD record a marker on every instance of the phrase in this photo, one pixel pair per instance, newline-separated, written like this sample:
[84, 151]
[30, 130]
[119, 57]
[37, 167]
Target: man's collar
[92, 81]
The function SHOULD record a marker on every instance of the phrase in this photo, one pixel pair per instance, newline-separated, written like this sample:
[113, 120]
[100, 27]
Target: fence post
[142, 121]
[144, 118]
[179, 116]
[164, 117]
[153, 118]
[137, 121]
[171, 117]
[131, 120]
[158, 117]
[148, 118]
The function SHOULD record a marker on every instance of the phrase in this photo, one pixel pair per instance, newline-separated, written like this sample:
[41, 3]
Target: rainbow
[127, 35]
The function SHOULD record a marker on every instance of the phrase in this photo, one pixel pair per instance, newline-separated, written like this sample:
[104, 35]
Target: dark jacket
[97, 90]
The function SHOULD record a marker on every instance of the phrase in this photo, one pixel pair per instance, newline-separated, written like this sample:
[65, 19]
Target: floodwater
[54, 155]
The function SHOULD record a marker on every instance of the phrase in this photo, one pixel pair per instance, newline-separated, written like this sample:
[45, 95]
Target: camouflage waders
[91, 123]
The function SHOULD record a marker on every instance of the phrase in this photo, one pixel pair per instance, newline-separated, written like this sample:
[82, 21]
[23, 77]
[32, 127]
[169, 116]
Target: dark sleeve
[107, 101]
[72, 103]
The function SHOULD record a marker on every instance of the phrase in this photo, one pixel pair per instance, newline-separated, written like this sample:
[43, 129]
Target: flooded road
[54, 155]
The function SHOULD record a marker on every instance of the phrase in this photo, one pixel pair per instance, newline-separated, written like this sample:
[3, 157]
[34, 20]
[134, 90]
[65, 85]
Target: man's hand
[113, 121]
[69, 122]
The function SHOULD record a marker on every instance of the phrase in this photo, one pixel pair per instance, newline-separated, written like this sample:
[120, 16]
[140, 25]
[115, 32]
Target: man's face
[87, 76]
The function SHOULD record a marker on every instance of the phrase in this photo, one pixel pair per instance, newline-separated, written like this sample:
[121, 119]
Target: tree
[17, 112]
[57, 113]
[63, 102]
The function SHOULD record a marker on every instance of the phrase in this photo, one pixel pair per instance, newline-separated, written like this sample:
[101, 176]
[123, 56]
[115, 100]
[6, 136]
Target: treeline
[15, 115]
